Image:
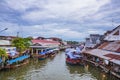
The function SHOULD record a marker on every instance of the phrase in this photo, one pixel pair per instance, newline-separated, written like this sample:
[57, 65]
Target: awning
[102, 54]
[21, 58]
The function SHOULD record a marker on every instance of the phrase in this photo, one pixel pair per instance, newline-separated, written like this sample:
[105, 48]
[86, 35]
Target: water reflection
[54, 69]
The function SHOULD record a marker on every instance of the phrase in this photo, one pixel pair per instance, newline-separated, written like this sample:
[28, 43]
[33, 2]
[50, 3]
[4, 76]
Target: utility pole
[17, 34]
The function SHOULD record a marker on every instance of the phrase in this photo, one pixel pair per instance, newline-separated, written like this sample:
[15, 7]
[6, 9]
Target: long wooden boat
[16, 62]
[41, 57]
[51, 53]
[74, 59]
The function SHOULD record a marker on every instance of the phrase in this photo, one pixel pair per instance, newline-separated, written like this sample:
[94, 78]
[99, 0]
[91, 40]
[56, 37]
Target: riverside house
[107, 55]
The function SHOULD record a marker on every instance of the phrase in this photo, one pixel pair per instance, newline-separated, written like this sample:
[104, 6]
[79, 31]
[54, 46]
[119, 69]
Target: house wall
[112, 37]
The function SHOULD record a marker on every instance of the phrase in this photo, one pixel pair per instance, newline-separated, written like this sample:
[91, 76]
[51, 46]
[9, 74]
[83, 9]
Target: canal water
[54, 69]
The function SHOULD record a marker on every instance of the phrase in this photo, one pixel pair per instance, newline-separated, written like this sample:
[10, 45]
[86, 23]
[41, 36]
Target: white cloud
[69, 19]
[46, 30]
[65, 9]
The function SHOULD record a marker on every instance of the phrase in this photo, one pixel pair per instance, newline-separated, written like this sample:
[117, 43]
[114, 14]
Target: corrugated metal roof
[103, 45]
[111, 46]
[102, 54]
[113, 56]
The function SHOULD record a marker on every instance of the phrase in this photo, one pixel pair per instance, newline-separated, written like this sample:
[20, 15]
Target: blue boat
[16, 62]
[1, 64]
[42, 55]
[0, 60]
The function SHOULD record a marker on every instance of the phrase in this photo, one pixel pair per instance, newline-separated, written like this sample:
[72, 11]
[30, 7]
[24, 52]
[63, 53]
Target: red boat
[73, 58]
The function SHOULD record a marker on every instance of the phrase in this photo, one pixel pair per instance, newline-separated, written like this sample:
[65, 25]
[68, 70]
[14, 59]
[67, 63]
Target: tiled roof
[44, 41]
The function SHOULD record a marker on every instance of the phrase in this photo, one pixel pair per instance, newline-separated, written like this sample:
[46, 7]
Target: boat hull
[73, 61]
[42, 57]
[12, 66]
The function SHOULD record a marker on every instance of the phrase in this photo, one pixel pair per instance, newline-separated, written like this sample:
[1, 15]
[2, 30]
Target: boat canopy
[21, 58]
[43, 53]
[71, 55]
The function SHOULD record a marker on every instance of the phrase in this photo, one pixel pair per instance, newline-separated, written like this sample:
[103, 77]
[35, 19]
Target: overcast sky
[66, 19]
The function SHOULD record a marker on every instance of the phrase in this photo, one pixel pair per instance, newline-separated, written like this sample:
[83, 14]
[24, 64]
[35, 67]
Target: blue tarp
[45, 52]
[12, 53]
[21, 58]
[73, 56]
[0, 60]
[78, 50]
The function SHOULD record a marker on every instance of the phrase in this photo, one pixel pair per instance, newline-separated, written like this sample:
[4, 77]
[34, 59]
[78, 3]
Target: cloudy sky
[66, 19]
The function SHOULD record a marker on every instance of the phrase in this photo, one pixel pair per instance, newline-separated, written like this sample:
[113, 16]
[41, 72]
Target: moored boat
[1, 63]
[73, 59]
[16, 62]
[42, 55]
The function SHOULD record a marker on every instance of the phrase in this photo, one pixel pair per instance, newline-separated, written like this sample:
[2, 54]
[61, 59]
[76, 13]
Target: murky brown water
[53, 69]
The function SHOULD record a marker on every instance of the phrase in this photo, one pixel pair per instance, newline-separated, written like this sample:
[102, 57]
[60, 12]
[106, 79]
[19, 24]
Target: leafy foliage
[3, 53]
[21, 43]
[72, 42]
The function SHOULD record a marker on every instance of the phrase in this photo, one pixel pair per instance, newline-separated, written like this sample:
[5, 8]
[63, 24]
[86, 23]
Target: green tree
[72, 42]
[3, 54]
[27, 42]
[21, 43]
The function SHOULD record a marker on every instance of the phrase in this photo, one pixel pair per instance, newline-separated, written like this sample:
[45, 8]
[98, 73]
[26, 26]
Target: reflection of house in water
[75, 69]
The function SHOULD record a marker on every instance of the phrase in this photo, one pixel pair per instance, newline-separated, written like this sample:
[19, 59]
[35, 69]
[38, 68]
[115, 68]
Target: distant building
[45, 43]
[93, 40]
[5, 43]
[38, 45]
[40, 38]
[7, 37]
[113, 35]
[88, 43]
[64, 42]
[54, 39]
